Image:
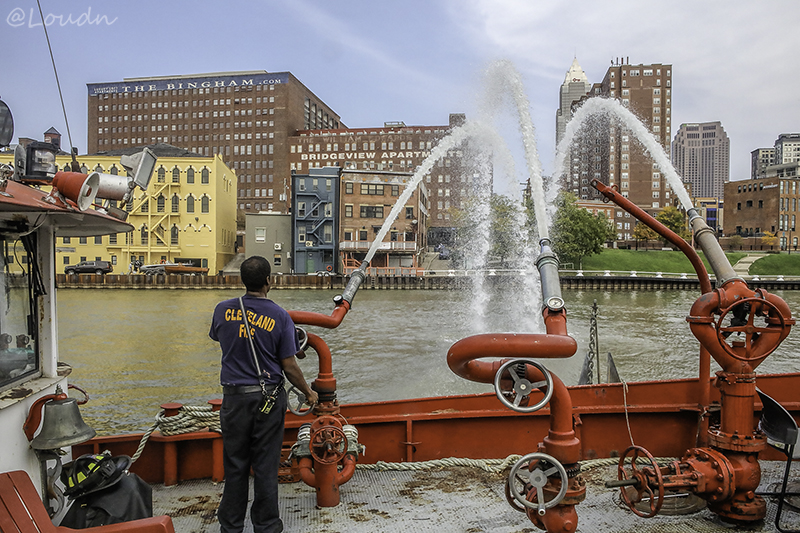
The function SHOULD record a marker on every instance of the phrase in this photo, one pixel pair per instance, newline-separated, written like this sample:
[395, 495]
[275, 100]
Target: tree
[769, 239]
[675, 220]
[502, 230]
[642, 232]
[576, 233]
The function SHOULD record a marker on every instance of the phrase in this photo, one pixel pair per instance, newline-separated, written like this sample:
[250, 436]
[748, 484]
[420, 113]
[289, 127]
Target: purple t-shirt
[273, 335]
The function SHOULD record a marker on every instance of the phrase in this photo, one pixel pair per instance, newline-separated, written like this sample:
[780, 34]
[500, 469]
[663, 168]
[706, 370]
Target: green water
[133, 350]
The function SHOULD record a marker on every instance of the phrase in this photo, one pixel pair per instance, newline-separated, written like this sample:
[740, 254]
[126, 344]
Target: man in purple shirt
[252, 438]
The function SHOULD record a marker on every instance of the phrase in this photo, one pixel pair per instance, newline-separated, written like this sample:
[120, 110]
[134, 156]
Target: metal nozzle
[547, 263]
[705, 237]
[356, 279]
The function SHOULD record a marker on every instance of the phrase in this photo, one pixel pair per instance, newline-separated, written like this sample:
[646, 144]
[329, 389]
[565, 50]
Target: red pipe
[661, 229]
[318, 319]
[326, 478]
[325, 382]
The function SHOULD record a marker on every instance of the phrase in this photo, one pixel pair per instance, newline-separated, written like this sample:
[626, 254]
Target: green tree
[675, 220]
[576, 233]
[642, 232]
[769, 239]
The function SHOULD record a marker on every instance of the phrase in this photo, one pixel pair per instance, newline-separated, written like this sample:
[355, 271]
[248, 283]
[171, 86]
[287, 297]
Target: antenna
[58, 83]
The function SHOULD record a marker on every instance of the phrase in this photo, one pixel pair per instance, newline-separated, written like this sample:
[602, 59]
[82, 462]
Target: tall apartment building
[787, 148]
[701, 156]
[610, 153]
[395, 148]
[244, 117]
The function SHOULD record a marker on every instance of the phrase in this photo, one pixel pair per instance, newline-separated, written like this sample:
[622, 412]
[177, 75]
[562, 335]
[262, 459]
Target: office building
[244, 117]
[701, 156]
[760, 159]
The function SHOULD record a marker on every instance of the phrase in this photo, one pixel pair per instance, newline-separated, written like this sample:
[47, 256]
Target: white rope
[625, 404]
[190, 418]
[489, 465]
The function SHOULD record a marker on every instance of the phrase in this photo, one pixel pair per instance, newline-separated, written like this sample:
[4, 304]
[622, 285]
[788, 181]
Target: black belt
[241, 389]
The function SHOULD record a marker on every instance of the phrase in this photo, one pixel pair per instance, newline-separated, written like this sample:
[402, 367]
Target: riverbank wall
[433, 282]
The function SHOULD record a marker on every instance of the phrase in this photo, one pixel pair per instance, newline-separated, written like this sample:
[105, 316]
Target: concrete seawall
[336, 282]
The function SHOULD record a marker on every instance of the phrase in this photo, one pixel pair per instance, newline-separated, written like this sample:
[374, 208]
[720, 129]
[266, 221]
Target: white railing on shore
[593, 273]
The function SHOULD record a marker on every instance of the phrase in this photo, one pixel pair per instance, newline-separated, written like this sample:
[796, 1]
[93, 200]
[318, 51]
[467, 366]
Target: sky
[415, 61]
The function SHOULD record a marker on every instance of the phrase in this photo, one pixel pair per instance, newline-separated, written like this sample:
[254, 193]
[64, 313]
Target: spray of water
[456, 136]
[613, 108]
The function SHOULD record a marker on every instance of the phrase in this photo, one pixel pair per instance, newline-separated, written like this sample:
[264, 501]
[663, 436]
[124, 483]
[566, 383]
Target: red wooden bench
[22, 511]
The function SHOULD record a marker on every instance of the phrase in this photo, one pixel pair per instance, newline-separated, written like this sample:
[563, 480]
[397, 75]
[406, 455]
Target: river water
[133, 350]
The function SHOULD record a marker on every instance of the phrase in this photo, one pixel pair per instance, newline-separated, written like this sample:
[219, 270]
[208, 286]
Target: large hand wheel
[295, 402]
[642, 482]
[517, 369]
[752, 307]
[328, 445]
[538, 467]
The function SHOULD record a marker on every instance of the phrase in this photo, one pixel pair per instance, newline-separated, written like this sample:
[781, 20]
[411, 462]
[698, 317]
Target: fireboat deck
[454, 499]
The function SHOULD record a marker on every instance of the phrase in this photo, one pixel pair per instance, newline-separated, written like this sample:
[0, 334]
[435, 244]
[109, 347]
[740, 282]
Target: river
[133, 350]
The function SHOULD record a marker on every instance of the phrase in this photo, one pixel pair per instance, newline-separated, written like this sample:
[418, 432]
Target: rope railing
[189, 418]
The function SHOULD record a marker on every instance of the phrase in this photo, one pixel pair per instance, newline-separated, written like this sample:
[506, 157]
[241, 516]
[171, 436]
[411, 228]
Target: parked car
[89, 267]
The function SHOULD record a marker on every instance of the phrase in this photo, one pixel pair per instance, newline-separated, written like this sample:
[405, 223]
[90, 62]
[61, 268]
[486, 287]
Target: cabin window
[19, 357]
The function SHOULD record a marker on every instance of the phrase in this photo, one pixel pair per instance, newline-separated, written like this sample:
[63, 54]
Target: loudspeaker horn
[80, 188]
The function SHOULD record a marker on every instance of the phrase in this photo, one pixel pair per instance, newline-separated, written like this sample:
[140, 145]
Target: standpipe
[739, 328]
[326, 444]
[561, 445]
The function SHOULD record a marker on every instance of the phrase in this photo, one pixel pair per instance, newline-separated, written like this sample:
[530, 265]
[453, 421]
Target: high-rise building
[701, 156]
[610, 153]
[760, 159]
[244, 117]
[787, 148]
[576, 85]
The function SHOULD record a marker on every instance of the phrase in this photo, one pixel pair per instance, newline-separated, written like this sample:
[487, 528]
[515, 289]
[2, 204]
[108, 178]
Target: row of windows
[182, 92]
[374, 211]
[161, 202]
[185, 103]
[369, 145]
[394, 236]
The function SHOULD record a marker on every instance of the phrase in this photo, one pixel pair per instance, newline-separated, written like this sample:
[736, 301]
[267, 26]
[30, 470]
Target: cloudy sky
[416, 61]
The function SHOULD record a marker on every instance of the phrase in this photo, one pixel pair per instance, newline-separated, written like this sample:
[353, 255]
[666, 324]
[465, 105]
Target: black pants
[254, 439]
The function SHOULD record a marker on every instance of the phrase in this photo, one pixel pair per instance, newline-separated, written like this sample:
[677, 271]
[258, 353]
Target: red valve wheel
[751, 332]
[642, 478]
[328, 445]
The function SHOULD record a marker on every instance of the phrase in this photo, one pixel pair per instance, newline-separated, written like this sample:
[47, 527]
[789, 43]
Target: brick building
[770, 204]
[608, 152]
[395, 149]
[244, 117]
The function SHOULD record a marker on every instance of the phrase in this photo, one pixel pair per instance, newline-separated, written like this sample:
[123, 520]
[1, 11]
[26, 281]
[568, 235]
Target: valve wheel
[328, 445]
[642, 486]
[522, 387]
[298, 398]
[750, 330]
[540, 467]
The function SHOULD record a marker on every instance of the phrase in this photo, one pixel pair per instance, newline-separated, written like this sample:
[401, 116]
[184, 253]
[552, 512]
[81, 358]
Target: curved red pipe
[661, 229]
[325, 381]
[703, 326]
[308, 476]
[462, 357]
[318, 319]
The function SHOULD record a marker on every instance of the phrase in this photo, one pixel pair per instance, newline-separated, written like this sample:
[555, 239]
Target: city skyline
[723, 57]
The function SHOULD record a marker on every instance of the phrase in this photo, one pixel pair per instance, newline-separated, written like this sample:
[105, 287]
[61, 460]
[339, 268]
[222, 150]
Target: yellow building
[186, 215]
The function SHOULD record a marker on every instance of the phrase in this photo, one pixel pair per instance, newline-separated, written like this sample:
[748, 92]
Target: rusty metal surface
[456, 500]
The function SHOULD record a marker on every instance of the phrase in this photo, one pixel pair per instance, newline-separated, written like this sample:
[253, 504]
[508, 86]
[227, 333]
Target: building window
[395, 190]
[348, 211]
[204, 176]
[190, 204]
[82, 240]
[261, 235]
[372, 189]
[144, 235]
[362, 235]
[301, 209]
[348, 187]
[161, 202]
[162, 173]
[190, 175]
[204, 204]
[173, 237]
[112, 239]
[409, 212]
[176, 203]
[98, 239]
[176, 175]
[371, 211]
[67, 240]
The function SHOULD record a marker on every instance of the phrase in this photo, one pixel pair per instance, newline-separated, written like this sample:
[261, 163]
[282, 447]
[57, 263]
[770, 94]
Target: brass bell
[62, 426]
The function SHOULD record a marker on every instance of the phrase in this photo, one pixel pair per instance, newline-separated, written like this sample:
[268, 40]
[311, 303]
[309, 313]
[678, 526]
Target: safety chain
[594, 347]
[189, 418]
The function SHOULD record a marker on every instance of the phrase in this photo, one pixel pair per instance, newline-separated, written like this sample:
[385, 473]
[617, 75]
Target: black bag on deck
[128, 499]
